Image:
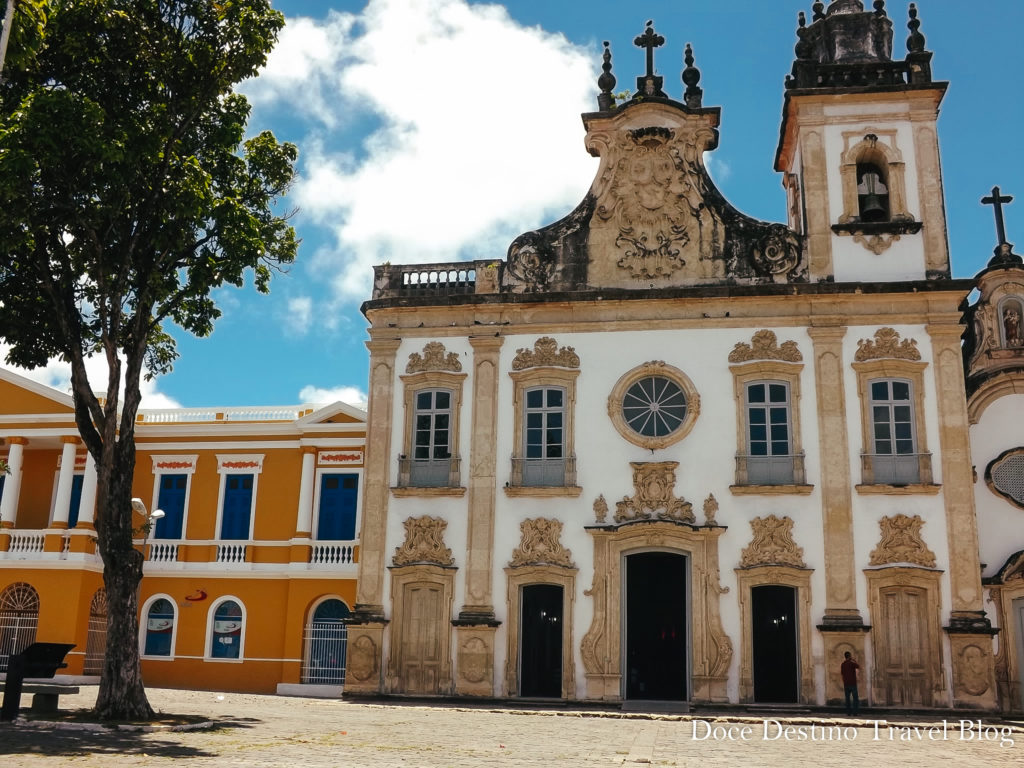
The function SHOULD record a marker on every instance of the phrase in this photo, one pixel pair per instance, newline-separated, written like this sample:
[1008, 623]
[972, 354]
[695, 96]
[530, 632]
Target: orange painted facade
[258, 539]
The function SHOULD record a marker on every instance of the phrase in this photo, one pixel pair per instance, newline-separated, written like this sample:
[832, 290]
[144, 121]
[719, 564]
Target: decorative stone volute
[433, 358]
[887, 344]
[545, 352]
[765, 346]
[424, 542]
[772, 544]
[655, 499]
[901, 542]
[541, 544]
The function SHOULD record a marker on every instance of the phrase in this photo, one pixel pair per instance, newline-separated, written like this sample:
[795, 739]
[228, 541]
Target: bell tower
[859, 148]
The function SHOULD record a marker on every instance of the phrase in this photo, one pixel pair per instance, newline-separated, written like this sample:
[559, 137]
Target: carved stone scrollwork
[901, 542]
[877, 243]
[530, 265]
[541, 544]
[545, 352]
[772, 544]
[777, 252]
[433, 359]
[654, 483]
[887, 343]
[765, 346]
[424, 542]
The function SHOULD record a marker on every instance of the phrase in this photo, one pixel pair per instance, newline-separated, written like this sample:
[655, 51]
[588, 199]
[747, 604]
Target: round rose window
[654, 405]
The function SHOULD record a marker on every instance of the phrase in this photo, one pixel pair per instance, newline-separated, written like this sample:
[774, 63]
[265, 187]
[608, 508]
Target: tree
[127, 194]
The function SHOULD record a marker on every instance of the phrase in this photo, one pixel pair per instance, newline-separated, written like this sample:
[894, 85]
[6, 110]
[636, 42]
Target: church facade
[664, 451]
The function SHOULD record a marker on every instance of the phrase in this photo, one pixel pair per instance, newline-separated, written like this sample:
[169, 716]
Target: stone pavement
[278, 731]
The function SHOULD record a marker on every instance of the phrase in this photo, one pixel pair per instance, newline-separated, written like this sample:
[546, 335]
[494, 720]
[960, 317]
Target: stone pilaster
[815, 178]
[372, 558]
[970, 631]
[474, 670]
[837, 643]
[836, 498]
[304, 511]
[479, 606]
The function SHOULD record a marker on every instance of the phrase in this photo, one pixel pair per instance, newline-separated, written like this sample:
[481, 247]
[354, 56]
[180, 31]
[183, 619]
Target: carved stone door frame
[800, 580]
[402, 577]
[710, 647]
[527, 575]
[881, 579]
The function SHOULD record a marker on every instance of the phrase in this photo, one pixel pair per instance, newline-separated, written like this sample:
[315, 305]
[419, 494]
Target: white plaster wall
[1000, 523]
[706, 465]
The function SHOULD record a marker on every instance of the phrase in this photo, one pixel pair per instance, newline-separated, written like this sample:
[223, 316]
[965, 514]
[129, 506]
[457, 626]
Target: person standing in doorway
[848, 671]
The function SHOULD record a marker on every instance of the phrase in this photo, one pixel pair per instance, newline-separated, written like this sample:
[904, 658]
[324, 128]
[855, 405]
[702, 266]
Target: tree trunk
[122, 695]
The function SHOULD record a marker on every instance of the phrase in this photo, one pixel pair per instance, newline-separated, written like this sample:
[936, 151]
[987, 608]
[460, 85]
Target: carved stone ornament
[545, 352]
[772, 544]
[600, 509]
[765, 346]
[531, 268]
[654, 483]
[424, 542]
[777, 252]
[710, 509]
[541, 544]
[901, 542]
[876, 243]
[654, 201]
[362, 658]
[887, 343]
[972, 665]
[433, 359]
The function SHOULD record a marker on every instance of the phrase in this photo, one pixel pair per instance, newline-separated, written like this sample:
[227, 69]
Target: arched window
[325, 644]
[159, 627]
[19, 617]
[227, 631]
[1011, 322]
[96, 638]
[872, 192]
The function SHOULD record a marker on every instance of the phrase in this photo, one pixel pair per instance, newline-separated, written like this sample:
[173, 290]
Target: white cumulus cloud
[474, 134]
[299, 315]
[324, 396]
[57, 375]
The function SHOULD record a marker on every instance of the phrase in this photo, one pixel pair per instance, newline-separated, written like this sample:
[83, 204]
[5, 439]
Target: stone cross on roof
[1004, 250]
[649, 84]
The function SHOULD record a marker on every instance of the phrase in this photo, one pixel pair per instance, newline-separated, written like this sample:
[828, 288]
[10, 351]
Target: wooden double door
[905, 656]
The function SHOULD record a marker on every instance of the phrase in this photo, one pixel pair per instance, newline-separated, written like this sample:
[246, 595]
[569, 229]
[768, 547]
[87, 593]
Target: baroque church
[667, 452]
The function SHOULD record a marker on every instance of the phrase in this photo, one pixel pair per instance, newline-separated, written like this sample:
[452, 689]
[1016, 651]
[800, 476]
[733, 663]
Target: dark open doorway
[656, 647]
[540, 644]
[776, 659]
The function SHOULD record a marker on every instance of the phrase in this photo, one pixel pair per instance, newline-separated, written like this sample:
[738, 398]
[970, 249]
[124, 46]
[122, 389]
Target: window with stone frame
[226, 630]
[430, 455]
[544, 456]
[769, 456]
[895, 452]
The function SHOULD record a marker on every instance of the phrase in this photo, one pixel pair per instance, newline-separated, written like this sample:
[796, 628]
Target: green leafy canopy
[127, 192]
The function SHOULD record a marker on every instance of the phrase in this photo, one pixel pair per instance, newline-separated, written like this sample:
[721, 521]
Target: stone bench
[45, 696]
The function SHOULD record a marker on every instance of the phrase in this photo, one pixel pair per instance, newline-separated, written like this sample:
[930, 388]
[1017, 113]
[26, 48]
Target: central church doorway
[540, 666]
[656, 651]
[776, 658]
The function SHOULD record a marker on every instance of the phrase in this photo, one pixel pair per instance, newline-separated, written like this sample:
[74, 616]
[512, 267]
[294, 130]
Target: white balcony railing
[25, 542]
[191, 415]
[163, 552]
[332, 553]
[231, 553]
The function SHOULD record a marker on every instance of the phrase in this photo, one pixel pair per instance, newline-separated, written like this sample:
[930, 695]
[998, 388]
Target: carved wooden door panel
[905, 658]
[421, 638]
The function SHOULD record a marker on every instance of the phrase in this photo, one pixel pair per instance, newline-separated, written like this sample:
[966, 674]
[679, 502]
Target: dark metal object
[649, 84]
[996, 200]
[39, 660]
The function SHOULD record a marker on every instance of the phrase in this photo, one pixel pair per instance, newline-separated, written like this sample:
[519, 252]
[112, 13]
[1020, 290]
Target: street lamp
[139, 507]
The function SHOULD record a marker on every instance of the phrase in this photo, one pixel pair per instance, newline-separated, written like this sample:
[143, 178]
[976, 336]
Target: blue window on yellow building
[237, 507]
[336, 520]
[159, 628]
[172, 501]
[226, 642]
[76, 500]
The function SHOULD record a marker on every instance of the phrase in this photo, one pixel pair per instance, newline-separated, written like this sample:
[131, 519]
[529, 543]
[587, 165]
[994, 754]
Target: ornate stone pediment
[424, 542]
[433, 358]
[887, 343]
[901, 542]
[541, 544]
[545, 352]
[655, 499]
[765, 346]
[772, 544]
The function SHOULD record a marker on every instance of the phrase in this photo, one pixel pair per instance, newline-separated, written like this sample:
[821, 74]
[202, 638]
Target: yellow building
[249, 570]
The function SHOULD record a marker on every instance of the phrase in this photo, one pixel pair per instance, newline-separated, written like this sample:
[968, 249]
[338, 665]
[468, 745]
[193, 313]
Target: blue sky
[436, 130]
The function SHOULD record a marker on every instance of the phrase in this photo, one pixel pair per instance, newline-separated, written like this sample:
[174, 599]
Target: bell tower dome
[859, 149]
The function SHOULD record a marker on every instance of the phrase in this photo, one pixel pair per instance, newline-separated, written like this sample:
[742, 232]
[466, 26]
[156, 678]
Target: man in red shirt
[848, 670]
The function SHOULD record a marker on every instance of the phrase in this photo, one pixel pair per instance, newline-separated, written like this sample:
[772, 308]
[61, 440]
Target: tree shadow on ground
[63, 741]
